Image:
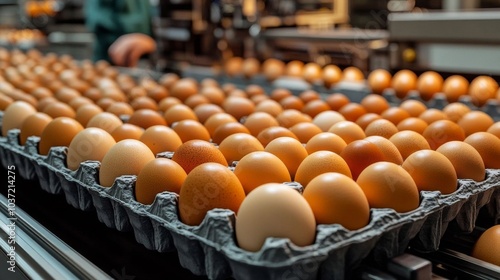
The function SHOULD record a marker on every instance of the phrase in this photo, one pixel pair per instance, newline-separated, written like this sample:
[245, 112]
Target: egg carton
[211, 249]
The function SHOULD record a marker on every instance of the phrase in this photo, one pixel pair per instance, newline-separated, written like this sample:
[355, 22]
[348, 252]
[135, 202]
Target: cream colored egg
[89, 144]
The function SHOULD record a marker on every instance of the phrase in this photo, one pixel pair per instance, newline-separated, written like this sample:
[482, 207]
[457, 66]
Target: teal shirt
[109, 19]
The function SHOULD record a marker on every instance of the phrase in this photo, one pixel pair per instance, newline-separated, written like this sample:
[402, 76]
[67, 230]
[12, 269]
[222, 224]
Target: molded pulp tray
[210, 248]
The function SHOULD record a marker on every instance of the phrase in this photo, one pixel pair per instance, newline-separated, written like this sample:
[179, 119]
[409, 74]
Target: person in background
[122, 30]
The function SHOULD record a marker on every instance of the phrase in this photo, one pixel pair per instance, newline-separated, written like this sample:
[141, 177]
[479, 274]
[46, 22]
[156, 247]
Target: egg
[388, 185]
[258, 121]
[292, 102]
[208, 186]
[381, 127]
[204, 111]
[326, 119]
[105, 120]
[158, 175]
[214, 95]
[379, 80]
[482, 89]
[455, 87]
[58, 132]
[412, 123]
[59, 109]
[291, 117]
[320, 162]
[294, 68]
[395, 115]
[431, 171]
[280, 93]
[183, 88]
[413, 107]
[337, 199]
[146, 118]
[494, 129]
[326, 141]
[466, 160]
[388, 149]
[374, 103]
[15, 114]
[224, 130]
[260, 167]
[408, 142]
[403, 82]
[312, 72]
[118, 161]
[353, 74]
[87, 112]
[487, 247]
[274, 210]
[332, 74]
[273, 132]
[269, 106]
[33, 126]
[127, 131]
[305, 131]
[428, 84]
[250, 67]
[191, 129]
[314, 107]
[233, 66]
[442, 131]
[348, 131]
[238, 107]
[5, 101]
[237, 145]
[352, 111]
[475, 121]
[179, 112]
[89, 144]
[160, 138]
[195, 152]
[273, 68]
[289, 150]
[366, 119]
[142, 102]
[488, 146]
[431, 115]
[216, 120]
[359, 154]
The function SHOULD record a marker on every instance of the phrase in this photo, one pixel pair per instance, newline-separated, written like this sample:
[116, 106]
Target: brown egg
[366, 119]
[403, 82]
[280, 93]
[309, 95]
[168, 80]
[41, 92]
[314, 107]
[233, 66]
[379, 80]
[179, 112]
[481, 89]
[15, 114]
[237, 145]
[487, 246]
[144, 102]
[292, 102]
[204, 111]
[79, 101]
[127, 131]
[294, 68]
[455, 111]
[271, 133]
[157, 93]
[273, 68]
[256, 99]
[475, 121]
[374, 103]
[395, 115]
[291, 117]
[195, 100]
[214, 95]
[224, 130]
[120, 109]
[414, 107]
[66, 94]
[332, 74]
[33, 126]
[59, 109]
[86, 112]
[105, 120]
[326, 119]
[105, 102]
[5, 101]
[305, 131]
[160, 138]
[253, 90]
[269, 106]
[58, 132]
[146, 118]
[428, 84]
[89, 144]
[443, 131]
[381, 127]
[93, 93]
[216, 120]
[168, 102]
[312, 72]
[183, 88]
[454, 87]
[258, 121]
[431, 115]
[337, 101]
[238, 107]
[190, 130]
[352, 111]
[250, 67]
[353, 74]
[412, 123]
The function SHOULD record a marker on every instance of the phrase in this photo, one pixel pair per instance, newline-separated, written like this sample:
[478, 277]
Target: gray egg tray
[210, 249]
